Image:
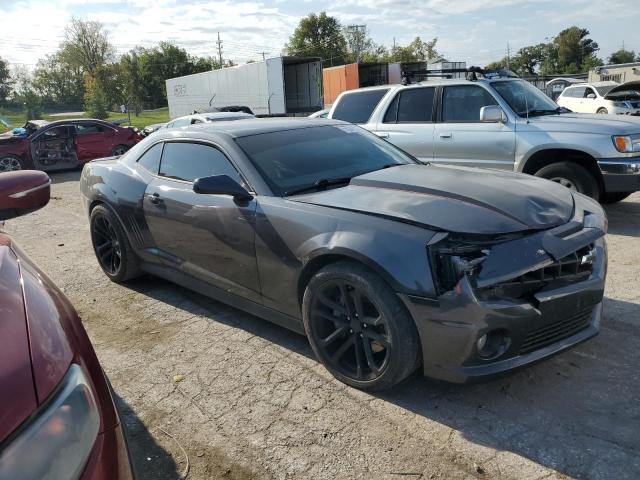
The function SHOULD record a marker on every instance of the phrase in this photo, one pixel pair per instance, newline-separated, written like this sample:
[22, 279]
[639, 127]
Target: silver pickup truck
[502, 123]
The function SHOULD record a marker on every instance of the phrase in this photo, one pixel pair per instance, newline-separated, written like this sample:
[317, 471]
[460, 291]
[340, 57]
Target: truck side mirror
[492, 114]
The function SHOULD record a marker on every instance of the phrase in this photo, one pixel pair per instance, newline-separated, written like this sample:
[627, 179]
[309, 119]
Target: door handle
[154, 198]
[382, 134]
[445, 135]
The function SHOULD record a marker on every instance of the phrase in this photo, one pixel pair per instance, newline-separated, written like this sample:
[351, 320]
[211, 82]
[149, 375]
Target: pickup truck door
[461, 139]
[408, 122]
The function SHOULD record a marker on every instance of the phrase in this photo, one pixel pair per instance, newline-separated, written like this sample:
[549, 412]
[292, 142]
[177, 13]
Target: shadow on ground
[624, 218]
[150, 461]
[577, 412]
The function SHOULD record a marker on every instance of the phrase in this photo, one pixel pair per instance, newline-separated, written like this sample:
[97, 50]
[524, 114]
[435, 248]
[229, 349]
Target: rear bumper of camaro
[620, 175]
[553, 321]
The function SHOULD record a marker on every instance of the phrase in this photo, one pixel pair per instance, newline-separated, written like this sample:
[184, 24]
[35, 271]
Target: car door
[210, 237]
[408, 122]
[93, 140]
[590, 100]
[577, 97]
[459, 136]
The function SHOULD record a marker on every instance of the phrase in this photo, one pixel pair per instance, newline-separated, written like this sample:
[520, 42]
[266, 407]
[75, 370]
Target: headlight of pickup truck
[56, 443]
[627, 143]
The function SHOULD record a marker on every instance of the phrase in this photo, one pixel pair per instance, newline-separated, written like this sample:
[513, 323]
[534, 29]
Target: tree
[6, 82]
[96, 103]
[58, 82]
[86, 45]
[623, 56]
[417, 51]
[359, 43]
[575, 51]
[25, 94]
[319, 36]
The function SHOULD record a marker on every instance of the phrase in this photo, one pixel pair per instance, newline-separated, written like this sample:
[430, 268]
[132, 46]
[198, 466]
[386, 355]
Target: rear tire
[11, 163]
[614, 197]
[573, 176]
[111, 246]
[358, 328]
[602, 110]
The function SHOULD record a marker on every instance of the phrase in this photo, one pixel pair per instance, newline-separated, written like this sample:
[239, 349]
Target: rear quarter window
[357, 107]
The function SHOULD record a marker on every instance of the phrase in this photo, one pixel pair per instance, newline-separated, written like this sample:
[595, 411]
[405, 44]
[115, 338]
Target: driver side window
[189, 161]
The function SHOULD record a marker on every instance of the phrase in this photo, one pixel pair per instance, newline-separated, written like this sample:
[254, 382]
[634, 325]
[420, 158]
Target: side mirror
[22, 192]
[592, 96]
[221, 185]
[492, 114]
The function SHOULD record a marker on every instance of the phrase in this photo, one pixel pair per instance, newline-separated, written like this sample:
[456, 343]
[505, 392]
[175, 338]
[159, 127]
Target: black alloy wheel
[106, 245]
[111, 245]
[358, 327]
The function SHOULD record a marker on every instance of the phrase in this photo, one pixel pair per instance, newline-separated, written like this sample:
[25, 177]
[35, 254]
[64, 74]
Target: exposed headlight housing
[621, 104]
[452, 263]
[55, 443]
[627, 143]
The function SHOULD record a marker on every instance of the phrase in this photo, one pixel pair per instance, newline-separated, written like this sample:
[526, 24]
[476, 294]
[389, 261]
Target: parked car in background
[320, 113]
[502, 123]
[207, 118]
[384, 263]
[63, 144]
[602, 97]
[58, 419]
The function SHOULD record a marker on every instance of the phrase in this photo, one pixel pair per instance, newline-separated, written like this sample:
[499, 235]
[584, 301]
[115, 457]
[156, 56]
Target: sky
[475, 31]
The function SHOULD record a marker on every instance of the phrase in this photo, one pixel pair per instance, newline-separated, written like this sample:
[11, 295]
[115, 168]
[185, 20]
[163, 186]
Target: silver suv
[502, 123]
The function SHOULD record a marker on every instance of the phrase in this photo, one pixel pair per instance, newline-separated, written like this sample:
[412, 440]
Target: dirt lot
[252, 401]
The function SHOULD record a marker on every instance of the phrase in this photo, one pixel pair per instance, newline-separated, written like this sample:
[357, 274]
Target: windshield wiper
[535, 112]
[319, 185]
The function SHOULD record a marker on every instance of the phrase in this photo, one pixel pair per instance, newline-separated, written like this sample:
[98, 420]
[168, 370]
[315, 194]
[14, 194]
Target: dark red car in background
[63, 144]
[58, 419]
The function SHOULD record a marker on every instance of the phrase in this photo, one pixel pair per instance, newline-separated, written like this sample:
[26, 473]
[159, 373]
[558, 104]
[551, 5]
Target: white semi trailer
[275, 86]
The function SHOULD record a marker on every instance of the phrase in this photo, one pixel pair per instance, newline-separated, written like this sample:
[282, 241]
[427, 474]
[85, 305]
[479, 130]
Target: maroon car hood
[18, 398]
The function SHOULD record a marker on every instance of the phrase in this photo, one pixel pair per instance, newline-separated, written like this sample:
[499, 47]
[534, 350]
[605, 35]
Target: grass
[17, 119]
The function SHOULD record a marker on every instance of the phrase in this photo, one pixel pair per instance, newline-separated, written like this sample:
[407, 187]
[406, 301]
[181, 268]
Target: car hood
[9, 137]
[453, 199]
[585, 123]
[18, 399]
[635, 85]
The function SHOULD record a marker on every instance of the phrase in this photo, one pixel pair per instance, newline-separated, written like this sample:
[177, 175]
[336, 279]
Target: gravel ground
[229, 396]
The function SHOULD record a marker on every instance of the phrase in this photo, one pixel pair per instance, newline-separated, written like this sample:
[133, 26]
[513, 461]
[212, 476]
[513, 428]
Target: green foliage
[95, 99]
[624, 56]
[6, 82]
[86, 45]
[319, 36]
[58, 82]
[417, 51]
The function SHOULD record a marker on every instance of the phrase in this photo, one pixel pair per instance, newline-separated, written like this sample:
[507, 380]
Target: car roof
[219, 115]
[432, 83]
[607, 83]
[250, 126]
[75, 121]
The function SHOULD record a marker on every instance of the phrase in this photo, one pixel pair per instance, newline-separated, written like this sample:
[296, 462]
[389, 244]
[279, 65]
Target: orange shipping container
[339, 79]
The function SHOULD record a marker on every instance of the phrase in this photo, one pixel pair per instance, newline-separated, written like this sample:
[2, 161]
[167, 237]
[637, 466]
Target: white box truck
[275, 86]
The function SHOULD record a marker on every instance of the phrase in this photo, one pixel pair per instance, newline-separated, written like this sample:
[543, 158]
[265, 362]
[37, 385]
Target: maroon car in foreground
[63, 144]
[58, 419]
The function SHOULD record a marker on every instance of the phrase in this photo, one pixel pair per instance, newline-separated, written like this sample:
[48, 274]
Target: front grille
[569, 269]
[556, 331]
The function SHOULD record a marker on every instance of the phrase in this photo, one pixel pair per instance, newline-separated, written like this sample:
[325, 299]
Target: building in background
[621, 73]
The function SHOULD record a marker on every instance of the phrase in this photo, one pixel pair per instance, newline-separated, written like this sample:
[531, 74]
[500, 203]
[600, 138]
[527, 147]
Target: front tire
[573, 176]
[11, 163]
[119, 150]
[358, 328]
[602, 111]
[111, 246]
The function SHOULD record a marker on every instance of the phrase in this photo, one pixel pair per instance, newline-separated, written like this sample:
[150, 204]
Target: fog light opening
[493, 344]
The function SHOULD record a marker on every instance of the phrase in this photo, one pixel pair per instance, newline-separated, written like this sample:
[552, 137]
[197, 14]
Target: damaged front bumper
[528, 327]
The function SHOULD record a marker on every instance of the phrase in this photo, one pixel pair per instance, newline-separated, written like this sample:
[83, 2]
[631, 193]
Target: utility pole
[508, 57]
[219, 42]
[359, 32]
[263, 55]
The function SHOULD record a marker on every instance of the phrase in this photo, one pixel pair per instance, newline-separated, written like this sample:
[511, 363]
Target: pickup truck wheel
[614, 197]
[573, 176]
[602, 110]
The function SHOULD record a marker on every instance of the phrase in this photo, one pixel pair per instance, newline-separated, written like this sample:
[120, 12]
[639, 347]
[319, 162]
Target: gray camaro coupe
[387, 265]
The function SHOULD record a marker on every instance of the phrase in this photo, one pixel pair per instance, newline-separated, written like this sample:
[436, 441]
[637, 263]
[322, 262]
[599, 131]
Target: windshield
[625, 95]
[604, 89]
[292, 160]
[524, 98]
